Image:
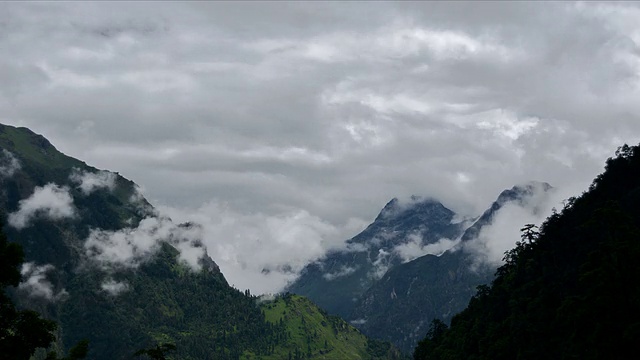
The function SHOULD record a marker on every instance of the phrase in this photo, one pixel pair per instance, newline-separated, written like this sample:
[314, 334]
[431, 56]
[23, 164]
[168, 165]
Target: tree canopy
[568, 291]
[21, 331]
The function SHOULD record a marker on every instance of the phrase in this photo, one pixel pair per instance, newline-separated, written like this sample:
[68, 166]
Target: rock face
[338, 281]
[389, 299]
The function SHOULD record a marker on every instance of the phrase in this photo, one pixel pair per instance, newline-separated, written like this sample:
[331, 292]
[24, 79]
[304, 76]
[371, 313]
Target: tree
[21, 331]
[78, 352]
[434, 336]
[157, 353]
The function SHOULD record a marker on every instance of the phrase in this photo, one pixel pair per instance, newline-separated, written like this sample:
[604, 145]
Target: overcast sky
[285, 127]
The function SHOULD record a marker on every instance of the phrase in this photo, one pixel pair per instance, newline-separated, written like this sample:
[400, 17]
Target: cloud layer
[260, 250]
[326, 110]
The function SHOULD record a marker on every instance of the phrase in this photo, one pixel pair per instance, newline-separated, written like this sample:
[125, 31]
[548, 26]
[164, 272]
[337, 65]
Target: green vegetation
[313, 334]
[162, 301]
[570, 290]
[22, 332]
[157, 353]
[36, 149]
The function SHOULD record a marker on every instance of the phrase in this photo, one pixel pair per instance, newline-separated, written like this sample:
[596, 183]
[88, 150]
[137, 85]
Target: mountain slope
[106, 267]
[569, 291]
[338, 280]
[399, 306]
[313, 334]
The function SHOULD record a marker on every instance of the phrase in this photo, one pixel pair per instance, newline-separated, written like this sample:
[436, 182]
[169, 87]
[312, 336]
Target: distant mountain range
[411, 265]
[104, 265]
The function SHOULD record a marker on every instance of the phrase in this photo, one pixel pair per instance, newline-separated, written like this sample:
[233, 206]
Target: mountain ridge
[387, 307]
[108, 268]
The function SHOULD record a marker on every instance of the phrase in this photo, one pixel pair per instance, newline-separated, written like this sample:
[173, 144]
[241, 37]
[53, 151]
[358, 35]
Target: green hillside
[313, 334]
[158, 299]
[568, 291]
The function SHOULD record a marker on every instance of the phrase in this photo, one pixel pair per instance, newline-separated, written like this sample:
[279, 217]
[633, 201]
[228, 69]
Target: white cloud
[414, 247]
[381, 264]
[130, 247]
[504, 231]
[261, 252]
[50, 201]
[36, 283]
[265, 298]
[343, 271]
[89, 182]
[8, 164]
[317, 109]
[114, 288]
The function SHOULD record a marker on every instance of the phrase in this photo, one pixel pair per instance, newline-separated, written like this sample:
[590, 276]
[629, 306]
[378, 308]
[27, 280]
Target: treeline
[569, 290]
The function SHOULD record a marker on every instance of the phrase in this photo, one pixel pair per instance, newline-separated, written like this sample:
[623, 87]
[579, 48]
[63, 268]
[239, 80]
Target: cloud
[313, 107]
[265, 298]
[414, 247]
[343, 271]
[504, 231]
[263, 252]
[88, 182]
[8, 164]
[36, 283]
[51, 202]
[130, 247]
[381, 264]
[114, 288]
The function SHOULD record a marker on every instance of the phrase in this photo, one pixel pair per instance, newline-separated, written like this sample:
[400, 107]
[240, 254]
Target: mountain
[336, 282]
[104, 265]
[570, 290]
[400, 306]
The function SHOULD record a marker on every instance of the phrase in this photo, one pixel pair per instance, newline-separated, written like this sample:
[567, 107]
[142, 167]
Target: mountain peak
[396, 207]
[522, 191]
[519, 194]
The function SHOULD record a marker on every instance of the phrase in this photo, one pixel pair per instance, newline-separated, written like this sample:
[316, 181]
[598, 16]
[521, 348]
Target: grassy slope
[311, 329]
[36, 148]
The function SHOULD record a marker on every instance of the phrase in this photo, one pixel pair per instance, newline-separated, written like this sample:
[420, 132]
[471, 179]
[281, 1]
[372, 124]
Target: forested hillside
[106, 267]
[569, 290]
[313, 334]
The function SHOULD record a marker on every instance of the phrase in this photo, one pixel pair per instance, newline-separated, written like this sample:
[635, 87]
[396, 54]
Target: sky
[283, 128]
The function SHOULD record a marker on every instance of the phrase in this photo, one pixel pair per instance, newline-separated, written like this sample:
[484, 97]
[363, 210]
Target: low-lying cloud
[129, 247]
[9, 164]
[415, 248]
[114, 288]
[504, 231]
[343, 271]
[89, 182]
[35, 281]
[264, 252]
[50, 202]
